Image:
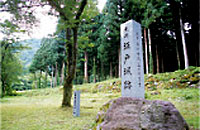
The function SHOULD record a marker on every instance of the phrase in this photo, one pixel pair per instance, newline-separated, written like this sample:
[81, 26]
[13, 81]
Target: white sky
[101, 4]
[47, 24]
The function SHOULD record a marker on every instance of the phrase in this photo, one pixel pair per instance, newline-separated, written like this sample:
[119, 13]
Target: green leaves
[11, 67]
[21, 12]
[90, 11]
[69, 11]
[154, 9]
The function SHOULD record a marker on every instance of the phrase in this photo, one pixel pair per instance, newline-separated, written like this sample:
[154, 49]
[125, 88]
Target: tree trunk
[3, 89]
[162, 62]
[120, 66]
[157, 60]
[146, 51]
[86, 67]
[71, 47]
[71, 67]
[98, 72]
[39, 86]
[35, 80]
[175, 6]
[111, 70]
[52, 77]
[150, 53]
[183, 42]
[102, 71]
[94, 70]
[116, 72]
[62, 73]
[56, 74]
[178, 57]
[46, 76]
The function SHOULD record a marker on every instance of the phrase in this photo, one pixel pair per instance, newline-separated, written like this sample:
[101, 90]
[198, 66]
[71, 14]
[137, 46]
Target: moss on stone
[101, 114]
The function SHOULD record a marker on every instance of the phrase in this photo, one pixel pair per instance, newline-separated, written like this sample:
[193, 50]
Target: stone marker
[127, 113]
[132, 60]
[76, 107]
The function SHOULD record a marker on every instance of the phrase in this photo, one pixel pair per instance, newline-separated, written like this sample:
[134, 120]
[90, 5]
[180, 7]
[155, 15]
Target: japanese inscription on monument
[132, 60]
[76, 107]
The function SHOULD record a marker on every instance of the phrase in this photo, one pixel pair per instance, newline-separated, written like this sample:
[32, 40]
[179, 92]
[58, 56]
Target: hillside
[153, 83]
[27, 55]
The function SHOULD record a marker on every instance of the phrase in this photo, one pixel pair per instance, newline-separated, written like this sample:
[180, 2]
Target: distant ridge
[26, 56]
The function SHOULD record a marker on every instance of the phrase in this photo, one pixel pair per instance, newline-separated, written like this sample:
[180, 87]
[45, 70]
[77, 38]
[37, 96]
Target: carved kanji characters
[126, 35]
[137, 37]
[127, 84]
[139, 84]
[127, 56]
[126, 45]
[127, 70]
[126, 28]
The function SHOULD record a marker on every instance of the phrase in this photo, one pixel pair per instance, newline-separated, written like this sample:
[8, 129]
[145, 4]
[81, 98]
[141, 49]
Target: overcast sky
[47, 24]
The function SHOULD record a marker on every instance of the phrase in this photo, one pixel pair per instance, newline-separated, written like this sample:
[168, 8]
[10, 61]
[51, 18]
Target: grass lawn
[41, 109]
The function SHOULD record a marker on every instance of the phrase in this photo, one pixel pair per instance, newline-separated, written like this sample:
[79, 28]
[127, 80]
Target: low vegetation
[41, 109]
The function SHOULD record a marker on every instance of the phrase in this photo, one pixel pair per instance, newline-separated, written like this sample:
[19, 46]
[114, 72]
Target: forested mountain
[26, 56]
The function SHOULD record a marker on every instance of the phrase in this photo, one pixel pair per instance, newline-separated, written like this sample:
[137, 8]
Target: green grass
[41, 109]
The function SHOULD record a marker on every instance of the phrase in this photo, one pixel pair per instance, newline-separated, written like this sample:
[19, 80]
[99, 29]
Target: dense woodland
[86, 45]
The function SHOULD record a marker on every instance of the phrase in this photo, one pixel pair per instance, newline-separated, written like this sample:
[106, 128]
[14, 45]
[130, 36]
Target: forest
[170, 42]
[85, 48]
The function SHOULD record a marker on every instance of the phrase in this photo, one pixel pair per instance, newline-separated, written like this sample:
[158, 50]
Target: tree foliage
[82, 30]
[11, 68]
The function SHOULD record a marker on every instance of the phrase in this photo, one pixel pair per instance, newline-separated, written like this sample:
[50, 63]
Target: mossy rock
[187, 76]
[194, 80]
[116, 88]
[126, 113]
[151, 87]
[184, 80]
[183, 85]
[101, 114]
[152, 79]
[155, 93]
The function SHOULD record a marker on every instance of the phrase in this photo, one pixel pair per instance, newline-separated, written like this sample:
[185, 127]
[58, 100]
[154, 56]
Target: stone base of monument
[127, 113]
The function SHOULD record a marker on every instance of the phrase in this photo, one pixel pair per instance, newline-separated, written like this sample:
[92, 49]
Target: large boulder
[127, 113]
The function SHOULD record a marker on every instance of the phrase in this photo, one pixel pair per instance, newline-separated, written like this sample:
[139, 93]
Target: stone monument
[132, 111]
[132, 60]
[76, 107]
